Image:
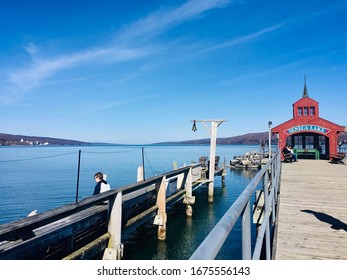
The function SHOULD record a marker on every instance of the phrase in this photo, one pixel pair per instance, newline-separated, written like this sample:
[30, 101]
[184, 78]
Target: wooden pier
[94, 227]
[312, 221]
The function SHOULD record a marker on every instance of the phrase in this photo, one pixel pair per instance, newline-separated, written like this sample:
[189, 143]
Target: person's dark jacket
[101, 186]
[285, 151]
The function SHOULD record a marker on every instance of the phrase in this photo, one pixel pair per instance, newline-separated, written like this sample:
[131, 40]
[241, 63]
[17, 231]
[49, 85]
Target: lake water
[45, 177]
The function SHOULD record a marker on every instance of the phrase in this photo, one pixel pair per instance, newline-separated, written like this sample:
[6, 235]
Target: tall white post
[211, 169]
[270, 123]
[213, 141]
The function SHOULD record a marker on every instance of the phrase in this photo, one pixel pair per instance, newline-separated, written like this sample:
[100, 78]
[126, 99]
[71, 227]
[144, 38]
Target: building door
[310, 141]
[323, 146]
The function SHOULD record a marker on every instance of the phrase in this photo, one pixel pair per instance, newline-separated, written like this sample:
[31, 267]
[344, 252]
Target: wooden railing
[94, 225]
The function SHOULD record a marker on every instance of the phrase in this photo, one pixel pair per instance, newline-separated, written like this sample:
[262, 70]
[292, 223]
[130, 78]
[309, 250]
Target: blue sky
[138, 72]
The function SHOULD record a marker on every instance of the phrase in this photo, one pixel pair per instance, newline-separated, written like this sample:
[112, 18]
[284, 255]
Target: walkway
[313, 211]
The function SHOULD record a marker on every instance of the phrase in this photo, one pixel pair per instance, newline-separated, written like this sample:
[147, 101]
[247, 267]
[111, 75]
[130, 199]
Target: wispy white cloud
[245, 38]
[162, 20]
[43, 67]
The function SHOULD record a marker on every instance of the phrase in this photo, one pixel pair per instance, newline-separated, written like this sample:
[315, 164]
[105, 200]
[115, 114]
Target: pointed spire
[305, 93]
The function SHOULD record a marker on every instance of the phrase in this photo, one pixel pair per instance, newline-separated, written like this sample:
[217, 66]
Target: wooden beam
[90, 250]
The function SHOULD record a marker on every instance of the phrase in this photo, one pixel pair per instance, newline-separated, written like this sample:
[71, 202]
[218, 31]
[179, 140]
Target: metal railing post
[78, 174]
[246, 233]
[267, 213]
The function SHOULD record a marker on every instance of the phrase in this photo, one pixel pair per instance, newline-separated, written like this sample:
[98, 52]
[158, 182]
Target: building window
[297, 142]
[322, 144]
[299, 111]
[312, 111]
[305, 111]
[309, 142]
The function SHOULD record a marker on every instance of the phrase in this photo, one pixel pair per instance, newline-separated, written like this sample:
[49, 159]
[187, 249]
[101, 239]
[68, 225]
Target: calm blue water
[44, 177]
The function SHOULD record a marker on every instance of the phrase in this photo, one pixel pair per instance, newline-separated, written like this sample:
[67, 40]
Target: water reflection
[162, 250]
[246, 173]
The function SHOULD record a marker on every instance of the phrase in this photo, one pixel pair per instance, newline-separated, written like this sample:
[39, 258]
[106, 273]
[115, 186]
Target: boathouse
[308, 133]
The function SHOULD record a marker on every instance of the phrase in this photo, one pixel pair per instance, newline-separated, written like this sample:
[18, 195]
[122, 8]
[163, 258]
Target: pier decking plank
[313, 211]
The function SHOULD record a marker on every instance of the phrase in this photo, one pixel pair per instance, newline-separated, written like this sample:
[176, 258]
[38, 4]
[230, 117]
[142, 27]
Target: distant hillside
[22, 140]
[246, 139]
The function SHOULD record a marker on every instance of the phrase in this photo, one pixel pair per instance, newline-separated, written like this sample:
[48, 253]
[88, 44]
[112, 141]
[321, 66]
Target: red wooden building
[307, 132]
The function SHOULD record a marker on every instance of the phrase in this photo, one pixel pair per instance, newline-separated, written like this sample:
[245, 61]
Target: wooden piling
[114, 251]
[160, 218]
[189, 199]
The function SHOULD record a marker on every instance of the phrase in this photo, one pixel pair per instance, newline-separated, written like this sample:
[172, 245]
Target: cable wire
[149, 164]
[118, 152]
[34, 158]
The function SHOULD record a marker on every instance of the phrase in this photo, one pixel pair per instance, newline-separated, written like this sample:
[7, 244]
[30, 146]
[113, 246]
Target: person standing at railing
[101, 184]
